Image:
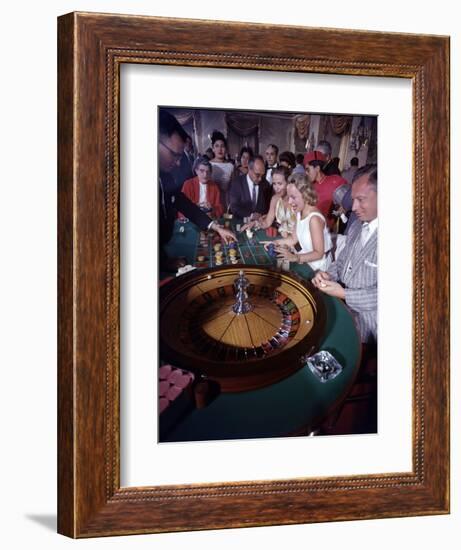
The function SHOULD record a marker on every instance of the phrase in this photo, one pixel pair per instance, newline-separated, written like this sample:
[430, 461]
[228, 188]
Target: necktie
[253, 197]
[365, 233]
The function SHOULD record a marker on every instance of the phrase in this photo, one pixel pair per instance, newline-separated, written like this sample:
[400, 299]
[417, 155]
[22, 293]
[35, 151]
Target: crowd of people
[325, 219]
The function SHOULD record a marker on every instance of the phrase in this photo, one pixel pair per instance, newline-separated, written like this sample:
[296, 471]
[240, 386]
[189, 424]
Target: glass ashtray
[324, 366]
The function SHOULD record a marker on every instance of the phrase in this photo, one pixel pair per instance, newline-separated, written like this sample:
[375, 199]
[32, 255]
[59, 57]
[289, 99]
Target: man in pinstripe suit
[353, 277]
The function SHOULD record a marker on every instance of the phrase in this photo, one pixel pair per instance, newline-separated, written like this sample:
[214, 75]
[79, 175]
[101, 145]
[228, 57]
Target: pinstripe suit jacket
[357, 269]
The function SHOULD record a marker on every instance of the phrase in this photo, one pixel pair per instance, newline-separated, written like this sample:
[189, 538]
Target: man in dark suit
[250, 193]
[171, 200]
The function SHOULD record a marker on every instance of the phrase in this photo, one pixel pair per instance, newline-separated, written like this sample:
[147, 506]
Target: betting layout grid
[212, 252]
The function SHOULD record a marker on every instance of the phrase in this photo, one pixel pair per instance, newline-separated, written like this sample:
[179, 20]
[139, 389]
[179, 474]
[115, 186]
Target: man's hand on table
[323, 282]
[320, 278]
[226, 234]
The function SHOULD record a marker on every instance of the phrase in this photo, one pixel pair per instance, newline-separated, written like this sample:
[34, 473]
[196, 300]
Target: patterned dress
[285, 217]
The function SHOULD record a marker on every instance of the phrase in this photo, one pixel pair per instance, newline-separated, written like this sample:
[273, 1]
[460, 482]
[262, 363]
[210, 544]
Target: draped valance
[185, 117]
[242, 125]
[302, 123]
[340, 124]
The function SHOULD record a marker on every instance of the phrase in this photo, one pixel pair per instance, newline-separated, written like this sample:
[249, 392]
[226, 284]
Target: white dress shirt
[368, 228]
[269, 173]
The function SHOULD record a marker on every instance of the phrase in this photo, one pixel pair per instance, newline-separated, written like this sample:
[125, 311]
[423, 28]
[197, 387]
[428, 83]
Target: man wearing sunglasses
[172, 138]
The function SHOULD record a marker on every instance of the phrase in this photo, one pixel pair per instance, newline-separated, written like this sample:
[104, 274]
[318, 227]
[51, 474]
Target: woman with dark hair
[246, 154]
[311, 230]
[222, 169]
[202, 191]
[288, 159]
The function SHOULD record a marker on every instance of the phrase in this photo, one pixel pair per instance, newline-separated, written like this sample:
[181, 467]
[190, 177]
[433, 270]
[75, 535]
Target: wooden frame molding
[90, 500]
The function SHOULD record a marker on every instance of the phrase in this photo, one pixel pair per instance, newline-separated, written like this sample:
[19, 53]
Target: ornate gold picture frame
[92, 48]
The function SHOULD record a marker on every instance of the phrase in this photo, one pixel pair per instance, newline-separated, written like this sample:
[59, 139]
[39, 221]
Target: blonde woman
[311, 230]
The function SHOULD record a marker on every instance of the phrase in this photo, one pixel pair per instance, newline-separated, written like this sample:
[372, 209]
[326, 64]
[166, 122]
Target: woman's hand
[248, 225]
[267, 243]
[285, 253]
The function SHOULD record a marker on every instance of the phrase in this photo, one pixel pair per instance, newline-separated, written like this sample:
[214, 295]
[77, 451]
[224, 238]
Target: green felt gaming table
[293, 405]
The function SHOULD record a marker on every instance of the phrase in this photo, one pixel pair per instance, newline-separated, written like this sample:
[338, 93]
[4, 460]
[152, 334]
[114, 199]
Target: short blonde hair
[304, 186]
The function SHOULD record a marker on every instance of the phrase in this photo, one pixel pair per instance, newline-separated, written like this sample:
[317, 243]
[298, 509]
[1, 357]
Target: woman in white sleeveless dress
[311, 231]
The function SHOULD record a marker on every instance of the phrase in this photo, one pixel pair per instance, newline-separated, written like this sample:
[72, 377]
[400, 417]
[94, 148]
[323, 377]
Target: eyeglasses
[176, 156]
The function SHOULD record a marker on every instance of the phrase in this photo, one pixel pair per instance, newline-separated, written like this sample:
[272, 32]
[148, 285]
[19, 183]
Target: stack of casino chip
[218, 257]
[272, 251]
[233, 253]
[171, 384]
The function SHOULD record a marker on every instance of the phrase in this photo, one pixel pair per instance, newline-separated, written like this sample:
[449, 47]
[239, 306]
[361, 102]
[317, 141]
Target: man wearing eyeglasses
[172, 138]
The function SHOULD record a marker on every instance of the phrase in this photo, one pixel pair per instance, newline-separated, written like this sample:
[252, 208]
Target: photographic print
[267, 238]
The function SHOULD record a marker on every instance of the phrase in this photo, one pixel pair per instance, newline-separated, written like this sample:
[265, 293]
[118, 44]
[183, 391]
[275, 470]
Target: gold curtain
[340, 124]
[302, 123]
[343, 150]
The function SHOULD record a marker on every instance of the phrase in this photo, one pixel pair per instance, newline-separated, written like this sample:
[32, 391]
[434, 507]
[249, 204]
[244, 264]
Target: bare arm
[316, 226]
[265, 221]
[270, 216]
[286, 243]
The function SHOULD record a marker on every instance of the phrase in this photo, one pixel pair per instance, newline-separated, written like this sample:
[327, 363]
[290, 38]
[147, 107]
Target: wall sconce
[360, 137]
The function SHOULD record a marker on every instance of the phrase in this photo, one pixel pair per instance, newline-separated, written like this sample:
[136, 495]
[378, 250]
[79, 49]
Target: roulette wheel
[243, 327]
